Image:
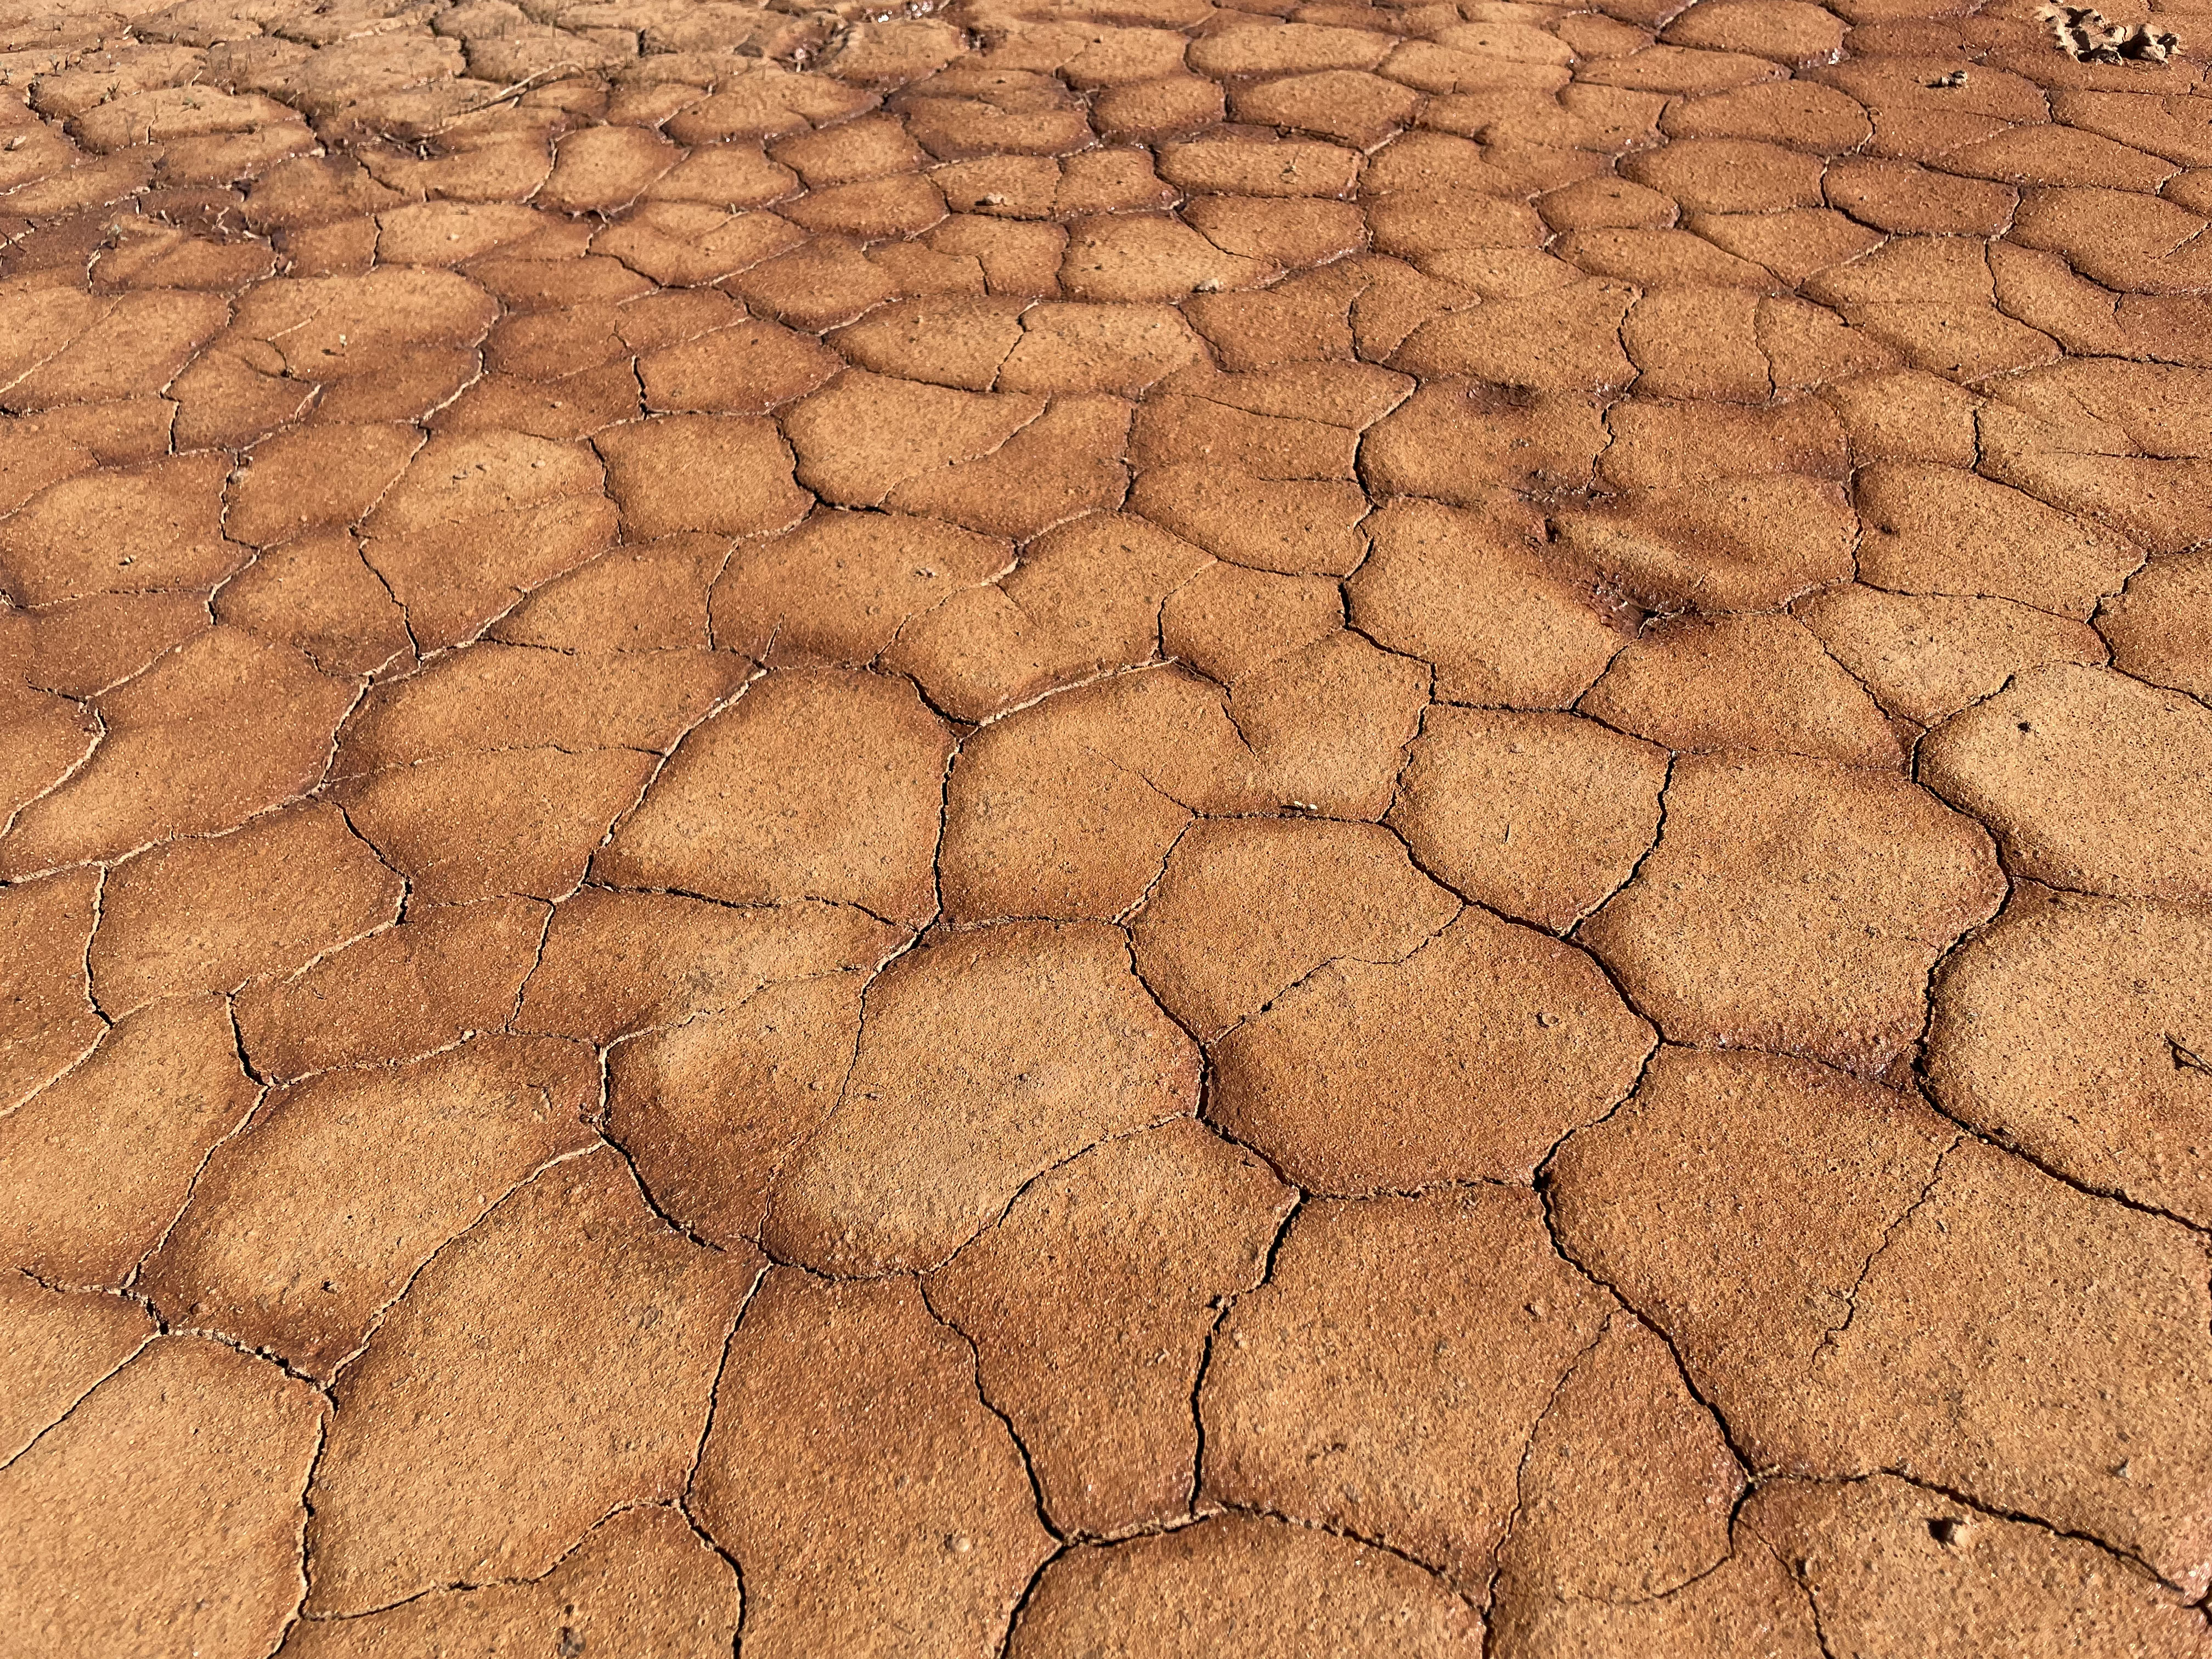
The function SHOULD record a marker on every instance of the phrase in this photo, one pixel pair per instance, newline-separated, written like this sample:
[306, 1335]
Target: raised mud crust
[1105, 828]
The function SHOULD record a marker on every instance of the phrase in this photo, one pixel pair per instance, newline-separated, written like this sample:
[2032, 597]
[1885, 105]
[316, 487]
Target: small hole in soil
[1944, 1529]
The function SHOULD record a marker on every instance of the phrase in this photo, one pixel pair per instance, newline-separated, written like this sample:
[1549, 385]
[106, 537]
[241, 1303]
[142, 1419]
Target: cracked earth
[1147, 828]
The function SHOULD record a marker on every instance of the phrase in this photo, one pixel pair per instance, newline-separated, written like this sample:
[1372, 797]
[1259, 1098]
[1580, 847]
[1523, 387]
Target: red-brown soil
[1103, 829]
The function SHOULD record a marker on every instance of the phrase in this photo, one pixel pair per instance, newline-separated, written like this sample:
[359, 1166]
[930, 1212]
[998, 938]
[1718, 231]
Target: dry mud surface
[1103, 828]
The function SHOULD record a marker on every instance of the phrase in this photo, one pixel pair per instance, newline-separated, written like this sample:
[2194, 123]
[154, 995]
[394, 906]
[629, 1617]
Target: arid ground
[1105, 830]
